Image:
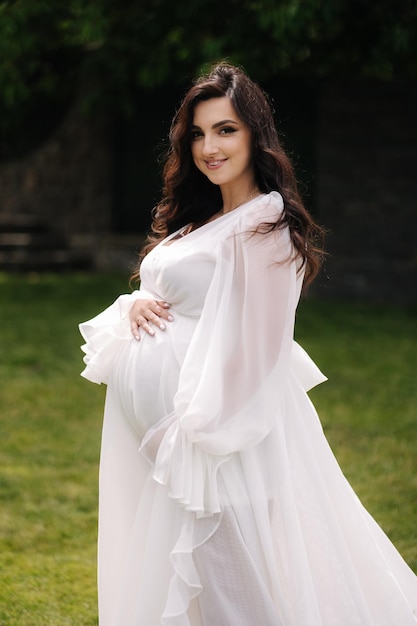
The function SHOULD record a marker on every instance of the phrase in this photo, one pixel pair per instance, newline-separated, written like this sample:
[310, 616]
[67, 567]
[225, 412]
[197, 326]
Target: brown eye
[227, 130]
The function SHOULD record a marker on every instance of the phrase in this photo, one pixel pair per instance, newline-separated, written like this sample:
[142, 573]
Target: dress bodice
[180, 273]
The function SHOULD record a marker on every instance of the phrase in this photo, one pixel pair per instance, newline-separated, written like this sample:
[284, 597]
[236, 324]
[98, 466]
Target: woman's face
[221, 143]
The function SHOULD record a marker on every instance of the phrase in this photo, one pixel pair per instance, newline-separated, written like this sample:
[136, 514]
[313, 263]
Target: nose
[209, 145]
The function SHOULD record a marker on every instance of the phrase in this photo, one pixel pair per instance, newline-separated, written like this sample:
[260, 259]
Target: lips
[212, 165]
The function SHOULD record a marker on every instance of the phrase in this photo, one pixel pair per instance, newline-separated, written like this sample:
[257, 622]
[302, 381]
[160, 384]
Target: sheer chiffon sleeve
[104, 334]
[230, 384]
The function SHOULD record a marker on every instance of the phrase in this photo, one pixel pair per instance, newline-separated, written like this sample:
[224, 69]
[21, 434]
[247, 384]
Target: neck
[232, 201]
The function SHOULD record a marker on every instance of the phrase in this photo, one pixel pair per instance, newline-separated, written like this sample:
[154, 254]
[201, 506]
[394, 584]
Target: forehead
[208, 112]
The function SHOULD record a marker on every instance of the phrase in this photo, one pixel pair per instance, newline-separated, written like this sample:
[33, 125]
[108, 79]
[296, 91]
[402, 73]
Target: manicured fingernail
[170, 318]
[162, 326]
[152, 332]
[137, 337]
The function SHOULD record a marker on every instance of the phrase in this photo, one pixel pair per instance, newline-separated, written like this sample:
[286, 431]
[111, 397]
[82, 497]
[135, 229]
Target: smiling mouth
[214, 164]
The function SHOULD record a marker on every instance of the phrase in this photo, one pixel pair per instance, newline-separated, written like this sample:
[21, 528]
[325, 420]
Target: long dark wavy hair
[189, 197]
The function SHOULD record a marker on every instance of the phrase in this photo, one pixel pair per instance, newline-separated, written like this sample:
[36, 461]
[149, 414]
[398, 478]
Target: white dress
[221, 503]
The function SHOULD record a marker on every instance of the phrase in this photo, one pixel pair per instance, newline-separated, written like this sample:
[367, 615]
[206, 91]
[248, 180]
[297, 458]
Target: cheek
[246, 157]
[247, 149]
[195, 154]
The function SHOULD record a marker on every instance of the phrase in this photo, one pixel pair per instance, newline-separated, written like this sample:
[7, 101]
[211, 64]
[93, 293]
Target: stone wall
[66, 182]
[367, 190]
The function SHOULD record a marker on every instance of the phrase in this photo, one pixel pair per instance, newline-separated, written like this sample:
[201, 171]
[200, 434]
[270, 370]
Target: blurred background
[88, 90]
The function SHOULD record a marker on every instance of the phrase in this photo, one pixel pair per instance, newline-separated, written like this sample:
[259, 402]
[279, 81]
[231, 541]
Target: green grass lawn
[51, 424]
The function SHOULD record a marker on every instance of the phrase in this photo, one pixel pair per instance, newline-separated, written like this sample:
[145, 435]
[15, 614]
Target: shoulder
[266, 208]
[251, 224]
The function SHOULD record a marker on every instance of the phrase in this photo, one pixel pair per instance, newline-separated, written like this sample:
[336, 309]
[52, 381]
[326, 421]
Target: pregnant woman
[221, 503]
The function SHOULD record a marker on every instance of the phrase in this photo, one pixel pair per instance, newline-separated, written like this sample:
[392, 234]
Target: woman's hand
[148, 313]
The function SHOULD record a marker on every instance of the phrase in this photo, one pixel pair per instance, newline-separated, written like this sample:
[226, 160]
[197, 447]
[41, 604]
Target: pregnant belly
[145, 374]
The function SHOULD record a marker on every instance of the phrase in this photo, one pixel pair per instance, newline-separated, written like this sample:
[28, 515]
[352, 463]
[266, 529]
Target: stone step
[45, 241]
[25, 259]
[27, 244]
[21, 223]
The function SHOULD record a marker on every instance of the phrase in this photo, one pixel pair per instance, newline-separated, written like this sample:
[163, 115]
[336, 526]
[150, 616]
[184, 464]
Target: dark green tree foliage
[50, 49]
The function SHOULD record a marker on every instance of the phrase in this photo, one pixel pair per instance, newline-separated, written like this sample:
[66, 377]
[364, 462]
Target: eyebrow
[221, 123]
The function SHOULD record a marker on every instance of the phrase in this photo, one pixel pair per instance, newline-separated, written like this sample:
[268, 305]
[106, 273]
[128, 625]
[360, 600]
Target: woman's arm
[105, 332]
[231, 383]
